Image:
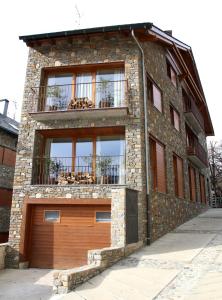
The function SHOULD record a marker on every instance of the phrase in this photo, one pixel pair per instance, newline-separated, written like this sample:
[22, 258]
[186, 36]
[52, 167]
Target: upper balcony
[197, 154]
[193, 115]
[104, 98]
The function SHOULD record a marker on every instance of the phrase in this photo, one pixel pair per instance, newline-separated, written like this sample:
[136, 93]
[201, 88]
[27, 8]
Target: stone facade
[166, 211]
[3, 248]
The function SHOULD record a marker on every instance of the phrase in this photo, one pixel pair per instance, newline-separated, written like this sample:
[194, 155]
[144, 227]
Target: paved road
[184, 264]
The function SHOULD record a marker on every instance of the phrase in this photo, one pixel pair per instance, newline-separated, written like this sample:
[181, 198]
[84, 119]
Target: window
[172, 74]
[202, 189]
[178, 176]
[103, 216]
[75, 90]
[175, 118]
[158, 166]
[154, 94]
[192, 182]
[52, 216]
[94, 159]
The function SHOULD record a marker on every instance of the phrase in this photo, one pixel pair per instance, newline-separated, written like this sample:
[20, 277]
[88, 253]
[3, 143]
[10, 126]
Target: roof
[9, 124]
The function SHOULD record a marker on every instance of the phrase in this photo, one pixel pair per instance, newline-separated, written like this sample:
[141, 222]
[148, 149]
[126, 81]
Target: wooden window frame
[152, 143]
[79, 69]
[93, 138]
[176, 181]
[150, 94]
[172, 117]
[52, 222]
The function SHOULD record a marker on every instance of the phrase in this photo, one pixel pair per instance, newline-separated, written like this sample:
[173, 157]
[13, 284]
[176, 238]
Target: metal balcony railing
[197, 150]
[105, 94]
[191, 107]
[79, 170]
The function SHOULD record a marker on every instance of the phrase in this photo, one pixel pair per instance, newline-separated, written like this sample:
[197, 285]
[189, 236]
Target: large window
[98, 159]
[93, 89]
[154, 94]
[178, 176]
[158, 165]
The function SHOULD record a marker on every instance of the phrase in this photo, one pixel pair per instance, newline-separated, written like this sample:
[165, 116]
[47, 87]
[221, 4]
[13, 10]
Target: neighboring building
[8, 143]
[102, 161]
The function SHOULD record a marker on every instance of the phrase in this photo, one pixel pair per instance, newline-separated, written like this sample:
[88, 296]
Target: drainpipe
[146, 137]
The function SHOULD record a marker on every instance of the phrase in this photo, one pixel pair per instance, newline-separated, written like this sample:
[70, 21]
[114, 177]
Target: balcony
[193, 115]
[82, 100]
[80, 170]
[197, 155]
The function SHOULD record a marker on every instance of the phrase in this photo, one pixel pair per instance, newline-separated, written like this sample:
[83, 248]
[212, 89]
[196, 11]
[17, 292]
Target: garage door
[60, 236]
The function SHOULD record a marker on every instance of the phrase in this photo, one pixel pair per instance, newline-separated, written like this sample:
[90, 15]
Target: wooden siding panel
[65, 244]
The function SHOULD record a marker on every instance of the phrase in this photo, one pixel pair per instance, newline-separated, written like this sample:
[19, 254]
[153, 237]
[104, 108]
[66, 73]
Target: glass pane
[58, 92]
[52, 216]
[109, 88]
[84, 152]
[103, 216]
[60, 152]
[110, 161]
[84, 86]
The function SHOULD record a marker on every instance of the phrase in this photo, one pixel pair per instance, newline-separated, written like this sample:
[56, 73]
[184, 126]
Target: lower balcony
[198, 155]
[81, 170]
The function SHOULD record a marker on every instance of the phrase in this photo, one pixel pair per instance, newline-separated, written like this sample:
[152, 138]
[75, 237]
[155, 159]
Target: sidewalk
[184, 264]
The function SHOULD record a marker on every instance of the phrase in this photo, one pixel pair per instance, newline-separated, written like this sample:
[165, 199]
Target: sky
[197, 23]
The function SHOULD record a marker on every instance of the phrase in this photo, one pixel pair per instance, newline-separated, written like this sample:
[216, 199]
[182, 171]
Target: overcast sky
[197, 23]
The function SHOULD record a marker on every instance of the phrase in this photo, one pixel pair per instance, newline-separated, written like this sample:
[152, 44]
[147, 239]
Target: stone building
[8, 143]
[112, 147]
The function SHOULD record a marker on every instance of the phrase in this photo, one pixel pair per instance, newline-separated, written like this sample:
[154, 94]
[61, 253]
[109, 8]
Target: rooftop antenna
[15, 108]
[78, 16]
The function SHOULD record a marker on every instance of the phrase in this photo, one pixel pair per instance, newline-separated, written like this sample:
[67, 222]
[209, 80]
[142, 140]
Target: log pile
[75, 178]
[80, 103]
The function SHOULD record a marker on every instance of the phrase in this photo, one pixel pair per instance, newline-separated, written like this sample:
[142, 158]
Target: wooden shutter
[9, 157]
[178, 176]
[158, 166]
[192, 181]
[153, 163]
[157, 98]
[1, 154]
[161, 168]
[202, 189]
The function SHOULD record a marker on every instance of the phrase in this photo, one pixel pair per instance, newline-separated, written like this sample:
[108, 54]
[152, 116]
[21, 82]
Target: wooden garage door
[64, 243]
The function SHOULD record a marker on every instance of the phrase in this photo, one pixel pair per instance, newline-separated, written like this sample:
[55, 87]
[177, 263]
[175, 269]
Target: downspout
[146, 137]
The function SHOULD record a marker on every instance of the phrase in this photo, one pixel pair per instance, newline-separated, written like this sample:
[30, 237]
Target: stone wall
[168, 211]
[2, 255]
[80, 51]
[98, 261]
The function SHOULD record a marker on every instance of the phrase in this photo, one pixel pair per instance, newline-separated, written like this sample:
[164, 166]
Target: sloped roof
[9, 124]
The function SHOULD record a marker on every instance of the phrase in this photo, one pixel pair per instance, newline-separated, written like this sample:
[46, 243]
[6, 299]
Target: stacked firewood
[75, 178]
[80, 103]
